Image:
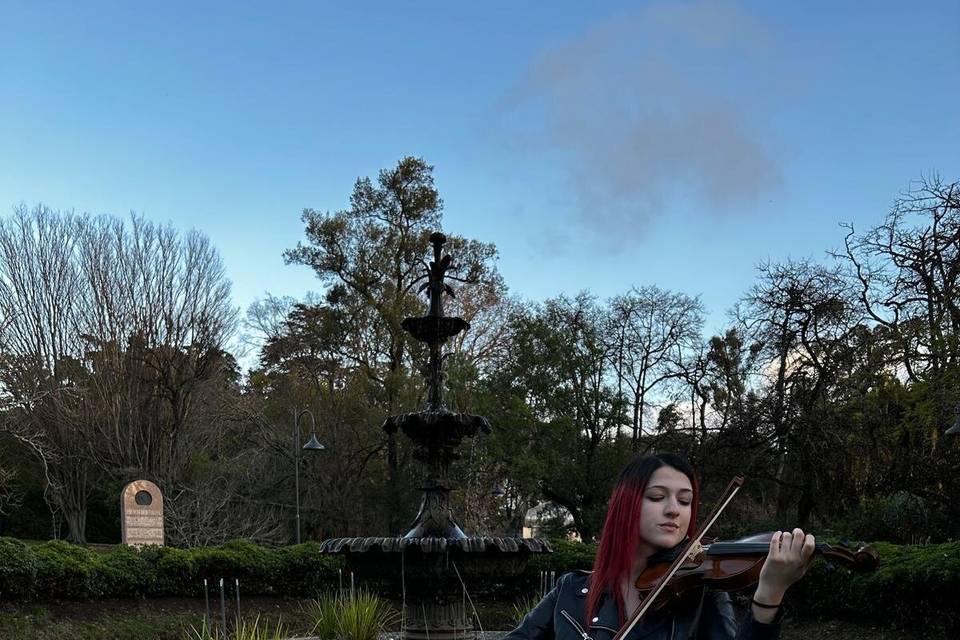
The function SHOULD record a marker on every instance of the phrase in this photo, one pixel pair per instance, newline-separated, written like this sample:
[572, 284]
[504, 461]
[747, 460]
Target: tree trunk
[394, 518]
[72, 500]
[805, 505]
[77, 524]
[779, 427]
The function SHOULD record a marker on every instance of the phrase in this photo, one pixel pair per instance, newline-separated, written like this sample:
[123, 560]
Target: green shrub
[325, 613]
[523, 606]
[18, 569]
[67, 571]
[365, 615]
[567, 556]
[908, 588]
[253, 565]
[172, 572]
[302, 570]
[124, 573]
[357, 616]
[58, 569]
[913, 585]
[903, 518]
[244, 630]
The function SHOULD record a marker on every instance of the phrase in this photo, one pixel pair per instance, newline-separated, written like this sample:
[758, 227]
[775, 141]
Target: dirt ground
[171, 619]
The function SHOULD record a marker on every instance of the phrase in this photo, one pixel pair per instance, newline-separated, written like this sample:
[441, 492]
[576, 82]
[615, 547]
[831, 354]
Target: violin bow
[641, 610]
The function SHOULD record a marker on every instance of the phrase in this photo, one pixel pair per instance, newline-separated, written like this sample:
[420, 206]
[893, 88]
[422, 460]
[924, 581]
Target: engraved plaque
[141, 513]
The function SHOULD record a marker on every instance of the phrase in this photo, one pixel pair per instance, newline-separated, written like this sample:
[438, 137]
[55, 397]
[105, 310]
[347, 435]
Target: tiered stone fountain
[432, 565]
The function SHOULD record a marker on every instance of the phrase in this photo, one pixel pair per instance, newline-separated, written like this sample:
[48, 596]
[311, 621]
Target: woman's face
[665, 514]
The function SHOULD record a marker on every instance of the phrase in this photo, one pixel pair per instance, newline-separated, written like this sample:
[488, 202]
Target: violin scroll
[860, 558]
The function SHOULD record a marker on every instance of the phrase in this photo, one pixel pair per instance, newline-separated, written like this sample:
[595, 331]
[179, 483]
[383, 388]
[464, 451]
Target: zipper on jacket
[576, 625]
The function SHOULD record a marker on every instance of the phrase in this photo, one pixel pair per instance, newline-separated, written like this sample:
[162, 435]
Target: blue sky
[600, 145]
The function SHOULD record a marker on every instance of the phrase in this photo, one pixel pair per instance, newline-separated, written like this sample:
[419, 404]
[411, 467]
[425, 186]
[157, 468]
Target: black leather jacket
[559, 616]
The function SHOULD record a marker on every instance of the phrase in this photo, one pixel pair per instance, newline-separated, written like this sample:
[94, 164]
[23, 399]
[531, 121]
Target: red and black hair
[621, 529]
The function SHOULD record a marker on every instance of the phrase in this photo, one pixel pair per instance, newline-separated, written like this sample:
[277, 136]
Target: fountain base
[426, 620]
[432, 575]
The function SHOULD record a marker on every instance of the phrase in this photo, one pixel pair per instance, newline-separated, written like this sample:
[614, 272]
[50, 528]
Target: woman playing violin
[652, 511]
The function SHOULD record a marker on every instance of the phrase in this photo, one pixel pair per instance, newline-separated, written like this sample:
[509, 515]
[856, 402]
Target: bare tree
[40, 286]
[218, 504]
[804, 319]
[907, 272]
[655, 329]
[11, 494]
[265, 319]
[109, 332]
[155, 322]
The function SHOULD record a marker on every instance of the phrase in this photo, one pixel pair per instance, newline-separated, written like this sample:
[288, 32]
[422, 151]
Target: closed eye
[685, 503]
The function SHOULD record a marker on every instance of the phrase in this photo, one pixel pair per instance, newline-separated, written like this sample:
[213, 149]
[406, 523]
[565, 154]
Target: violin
[730, 566]
[736, 565]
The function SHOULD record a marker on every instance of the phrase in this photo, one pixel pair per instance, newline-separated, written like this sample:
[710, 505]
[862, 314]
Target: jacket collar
[608, 618]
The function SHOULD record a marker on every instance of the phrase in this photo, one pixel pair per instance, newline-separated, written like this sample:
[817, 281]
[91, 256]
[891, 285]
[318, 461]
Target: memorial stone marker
[141, 513]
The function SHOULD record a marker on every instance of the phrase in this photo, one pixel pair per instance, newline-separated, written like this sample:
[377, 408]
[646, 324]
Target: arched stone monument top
[141, 513]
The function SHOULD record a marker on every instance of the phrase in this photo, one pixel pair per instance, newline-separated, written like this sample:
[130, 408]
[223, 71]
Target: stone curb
[486, 635]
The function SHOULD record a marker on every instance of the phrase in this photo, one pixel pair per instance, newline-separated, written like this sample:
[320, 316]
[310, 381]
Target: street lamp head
[955, 429]
[313, 444]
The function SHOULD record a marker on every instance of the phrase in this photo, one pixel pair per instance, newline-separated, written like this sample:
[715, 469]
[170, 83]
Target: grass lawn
[155, 619]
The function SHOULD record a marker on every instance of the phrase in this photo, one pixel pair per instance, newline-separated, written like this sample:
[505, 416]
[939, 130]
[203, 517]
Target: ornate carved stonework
[433, 621]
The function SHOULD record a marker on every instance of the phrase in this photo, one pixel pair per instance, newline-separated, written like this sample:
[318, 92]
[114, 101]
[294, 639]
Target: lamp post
[312, 445]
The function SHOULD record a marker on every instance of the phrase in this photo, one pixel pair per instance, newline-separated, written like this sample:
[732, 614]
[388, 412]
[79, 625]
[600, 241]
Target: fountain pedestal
[435, 621]
[434, 566]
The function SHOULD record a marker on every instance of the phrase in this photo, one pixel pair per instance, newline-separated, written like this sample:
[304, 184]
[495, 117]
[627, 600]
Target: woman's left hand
[786, 562]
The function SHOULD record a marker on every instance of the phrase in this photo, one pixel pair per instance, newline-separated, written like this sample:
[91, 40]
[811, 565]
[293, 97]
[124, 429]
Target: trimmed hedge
[60, 570]
[914, 585]
[18, 569]
[566, 556]
[67, 571]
